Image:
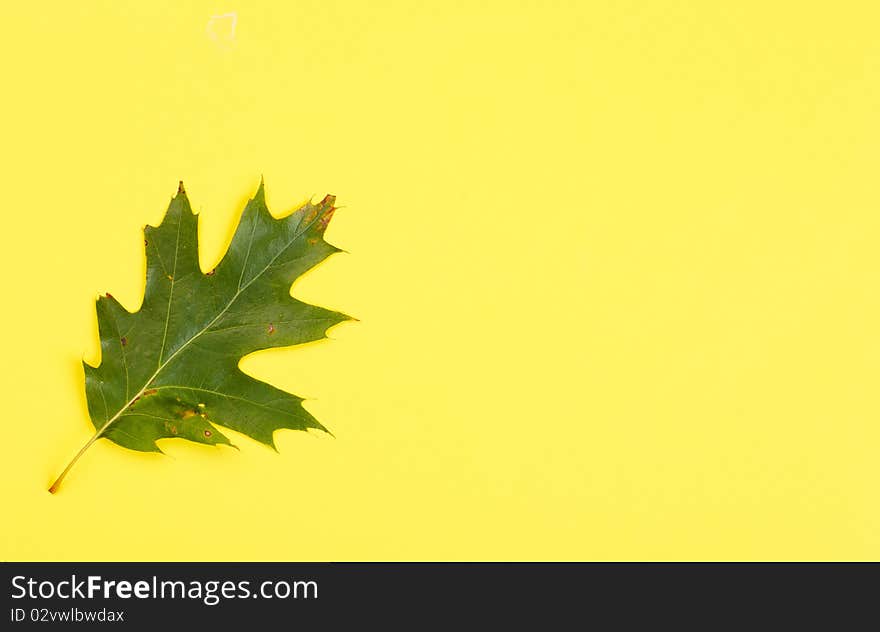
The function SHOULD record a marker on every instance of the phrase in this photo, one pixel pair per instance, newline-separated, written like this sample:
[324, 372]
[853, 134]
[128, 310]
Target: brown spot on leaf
[150, 391]
[108, 295]
[170, 277]
[271, 329]
[123, 341]
[211, 273]
[325, 219]
[208, 433]
[188, 413]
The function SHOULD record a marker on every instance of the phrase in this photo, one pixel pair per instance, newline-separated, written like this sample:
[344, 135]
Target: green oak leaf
[170, 369]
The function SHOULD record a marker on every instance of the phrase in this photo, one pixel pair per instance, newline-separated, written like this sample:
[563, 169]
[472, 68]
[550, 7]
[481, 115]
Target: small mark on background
[221, 28]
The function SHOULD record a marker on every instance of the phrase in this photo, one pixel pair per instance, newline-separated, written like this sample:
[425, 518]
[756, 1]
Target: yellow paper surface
[616, 266]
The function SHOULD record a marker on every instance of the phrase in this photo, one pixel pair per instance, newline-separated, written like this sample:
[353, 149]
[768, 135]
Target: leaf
[170, 370]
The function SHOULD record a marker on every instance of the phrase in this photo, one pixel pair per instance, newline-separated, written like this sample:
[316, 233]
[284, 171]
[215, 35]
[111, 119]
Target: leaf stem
[96, 436]
[61, 476]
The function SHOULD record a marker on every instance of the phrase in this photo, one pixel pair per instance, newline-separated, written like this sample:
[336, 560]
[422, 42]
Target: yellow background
[616, 265]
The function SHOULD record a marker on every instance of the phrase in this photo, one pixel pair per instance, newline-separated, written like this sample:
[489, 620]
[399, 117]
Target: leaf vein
[170, 294]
